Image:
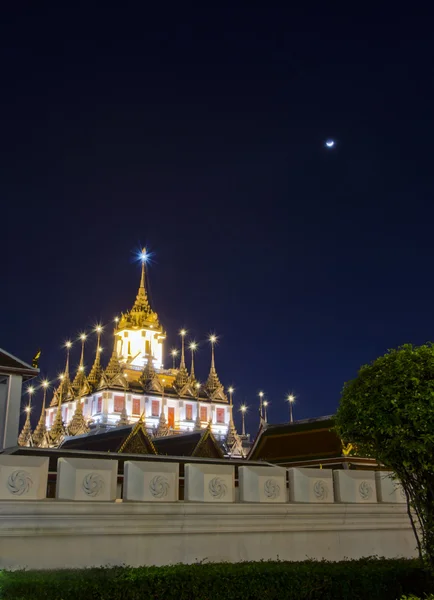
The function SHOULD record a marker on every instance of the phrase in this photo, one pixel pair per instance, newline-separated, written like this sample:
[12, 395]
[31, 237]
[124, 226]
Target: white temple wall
[216, 521]
[55, 534]
[137, 404]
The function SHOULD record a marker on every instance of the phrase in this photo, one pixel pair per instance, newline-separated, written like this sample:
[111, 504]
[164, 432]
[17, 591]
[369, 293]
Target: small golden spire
[80, 376]
[182, 375]
[57, 430]
[78, 424]
[162, 429]
[193, 348]
[25, 437]
[114, 366]
[123, 419]
[213, 382]
[94, 376]
[41, 430]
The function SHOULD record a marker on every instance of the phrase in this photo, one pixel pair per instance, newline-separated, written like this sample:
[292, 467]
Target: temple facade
[134, 386]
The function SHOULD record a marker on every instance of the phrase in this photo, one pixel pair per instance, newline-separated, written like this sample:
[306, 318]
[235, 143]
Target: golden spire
[78, 424]
[94, 376]
[148, 373]
[142, 304]
[162, 428]
[182, 375]
[232, 438]
[123, 419]
[213, 382]
[193, 348]
[114, 366]
[25, 437]
[80, 376]
[57, 430]
[65, 388]
[41, 430]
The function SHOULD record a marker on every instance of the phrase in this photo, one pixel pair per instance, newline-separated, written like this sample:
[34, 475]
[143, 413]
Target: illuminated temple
[134, 392]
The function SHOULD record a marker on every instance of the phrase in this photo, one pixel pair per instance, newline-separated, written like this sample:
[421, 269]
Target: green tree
[387, 412]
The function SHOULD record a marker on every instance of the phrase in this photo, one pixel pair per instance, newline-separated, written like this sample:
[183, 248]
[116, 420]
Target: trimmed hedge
[366, 579]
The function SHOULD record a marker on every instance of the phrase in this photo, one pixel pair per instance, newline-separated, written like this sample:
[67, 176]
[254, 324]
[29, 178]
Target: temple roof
[199, 443]
[301, 440]
[12, 365]
[129, 438]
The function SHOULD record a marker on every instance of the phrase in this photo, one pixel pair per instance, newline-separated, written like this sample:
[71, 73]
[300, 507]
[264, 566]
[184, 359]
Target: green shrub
[373, 579]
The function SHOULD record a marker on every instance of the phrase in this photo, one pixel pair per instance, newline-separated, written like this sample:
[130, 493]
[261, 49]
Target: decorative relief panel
[92, 484]
[217, 488]
[320, 489]
[19, 483]
[159, 486]
[23, 477]
[272, 489]
[365, 490]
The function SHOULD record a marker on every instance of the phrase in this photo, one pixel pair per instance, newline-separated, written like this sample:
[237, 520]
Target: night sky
[201, 135]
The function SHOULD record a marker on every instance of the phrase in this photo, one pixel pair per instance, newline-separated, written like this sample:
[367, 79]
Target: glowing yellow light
[213, 339]
[261, 394]
[230, 390]
[68, 344]
[265, 402]
[98, 328]
[61, 376]
[193, 346]
[83, 336]
[45, 383]
[197, 385]
[243, 408]
[81, 368]
[30, 390]
[116, 319]
[99, 349]
[174, 352]
[182, 332]
[291, 398]
[27, 409]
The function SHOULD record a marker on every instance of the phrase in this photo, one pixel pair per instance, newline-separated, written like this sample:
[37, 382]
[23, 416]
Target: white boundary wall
[51, 535]
[85, 526]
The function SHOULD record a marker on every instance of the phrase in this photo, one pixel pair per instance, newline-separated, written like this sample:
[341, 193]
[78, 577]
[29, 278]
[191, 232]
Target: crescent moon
[330, 144]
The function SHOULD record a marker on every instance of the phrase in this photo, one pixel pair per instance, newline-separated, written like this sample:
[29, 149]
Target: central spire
[142, 304]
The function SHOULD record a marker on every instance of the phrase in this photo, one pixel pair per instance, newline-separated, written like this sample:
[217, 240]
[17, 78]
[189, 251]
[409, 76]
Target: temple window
[119, 404]
[203, 413]
[136, 406]
[189, 412]
[220, 415]
[155, 408]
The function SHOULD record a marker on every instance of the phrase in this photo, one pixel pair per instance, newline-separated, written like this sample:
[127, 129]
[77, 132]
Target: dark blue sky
[201, 135]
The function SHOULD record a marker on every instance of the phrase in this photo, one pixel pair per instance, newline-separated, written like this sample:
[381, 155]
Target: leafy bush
[386, 412]
[376, 579]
